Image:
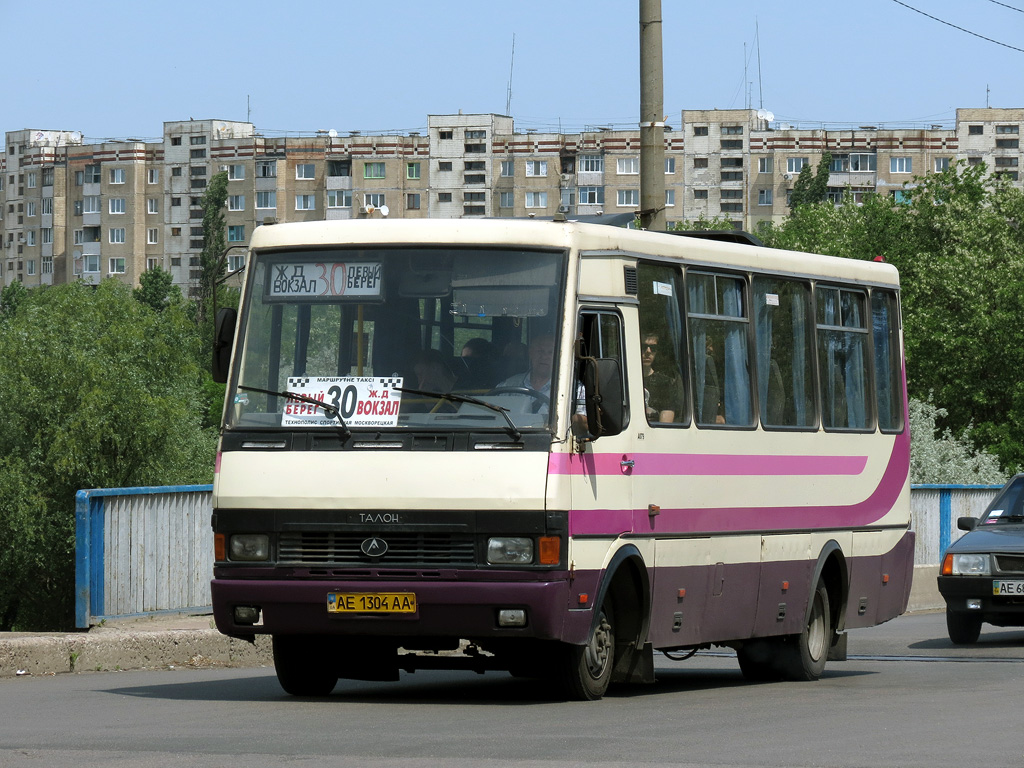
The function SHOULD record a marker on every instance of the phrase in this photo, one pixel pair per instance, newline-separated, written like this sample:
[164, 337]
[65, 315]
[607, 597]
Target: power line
[954, 26]
[1018, 10]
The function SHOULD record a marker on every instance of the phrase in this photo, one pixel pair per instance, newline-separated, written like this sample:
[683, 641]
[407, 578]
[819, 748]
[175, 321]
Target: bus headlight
[971, 565]
[249, 547]
[510, 550]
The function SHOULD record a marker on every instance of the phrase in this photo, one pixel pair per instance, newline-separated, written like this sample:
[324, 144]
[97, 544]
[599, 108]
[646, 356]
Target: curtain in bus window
[737, 375]
[661, 344]
[842, 353]
[884, 320]
[783, 341]
[705, 391]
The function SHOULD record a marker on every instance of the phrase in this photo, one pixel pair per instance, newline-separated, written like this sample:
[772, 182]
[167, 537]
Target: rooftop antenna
[757, 38]
[508, 94]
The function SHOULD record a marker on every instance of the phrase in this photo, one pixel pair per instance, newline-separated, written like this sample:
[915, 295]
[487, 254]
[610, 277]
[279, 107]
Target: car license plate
[1007, 588]
[371, 602]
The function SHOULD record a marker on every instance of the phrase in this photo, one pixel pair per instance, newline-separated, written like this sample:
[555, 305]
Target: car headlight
[249, 547]
[971, 565]
[510, 550]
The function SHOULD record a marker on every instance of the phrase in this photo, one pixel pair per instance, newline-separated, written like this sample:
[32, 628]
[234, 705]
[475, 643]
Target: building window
[700, 194]
[374, 200]
[116, 235]
[31, 266]
[412, 201]
[1014, 129]
[31, 237]
[700, 130]
[236, 172]
[117, 265]
[117, 175]
[116, 205]
[863, 162]
[670, 165]
[506, 200]
[46, 235]
[732, 175]
[236, 233]
[591, 195]
[175, 202]
[152, 236]
[196, 140]
[197, 154]
[591, 164]
[732, 207]
[47, 265]
[476, 134]
[474, 197]
[536, 167]
[91, 175]
[627, 166]
[536, 199]
[941, 164]
[444, 197]
[732, 143]
[764, 197]
[266, 199]
[31, 208]
[176, 171]
[796, 164]
[305, 202]
[475, 178]
[47, 206]
[305, 171]
[266, 169]
[476, 149]
[444, 165]
[236, 202]
[732, 130]
[508, 168]
[92, 263]
[700, 162]
[31, 178]
[153, 176]
[1007, 144]
[628, 197]
[236, 261]
[152, 205]
[175, 142]
[47, 177]
[339, 167]
[732, 194]
[474, 165]
[446, 134]
[373, 170]
[197, 170]
[1006, 162]
[412, 171]
[339, 198]
[764, 165]
[974, 130]
[670, 198]
[901, 165]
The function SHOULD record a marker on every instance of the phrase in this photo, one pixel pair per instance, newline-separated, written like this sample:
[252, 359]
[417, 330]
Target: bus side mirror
[223, 339]
[602, 388]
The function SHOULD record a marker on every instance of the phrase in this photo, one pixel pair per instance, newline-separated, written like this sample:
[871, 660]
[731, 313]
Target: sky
[384, 66]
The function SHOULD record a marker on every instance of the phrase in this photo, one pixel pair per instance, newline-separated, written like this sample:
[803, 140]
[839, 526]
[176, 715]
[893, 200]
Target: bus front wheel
[586, 670]
[302, 665]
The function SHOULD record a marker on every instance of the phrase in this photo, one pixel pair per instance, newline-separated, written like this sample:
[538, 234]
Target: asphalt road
[906, 697]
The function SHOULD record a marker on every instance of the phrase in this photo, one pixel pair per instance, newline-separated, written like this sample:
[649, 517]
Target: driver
[541, 354]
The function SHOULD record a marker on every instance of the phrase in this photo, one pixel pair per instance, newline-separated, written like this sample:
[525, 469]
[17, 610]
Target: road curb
[106, 649]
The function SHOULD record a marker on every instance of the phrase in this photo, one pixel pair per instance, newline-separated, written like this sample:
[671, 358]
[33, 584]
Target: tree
[156, 288]
[956, 238]
[811, 187]
[945, 457]
[100, 391]
[210, 260]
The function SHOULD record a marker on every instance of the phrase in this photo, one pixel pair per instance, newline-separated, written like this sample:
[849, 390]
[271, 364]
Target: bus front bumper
[462, 609]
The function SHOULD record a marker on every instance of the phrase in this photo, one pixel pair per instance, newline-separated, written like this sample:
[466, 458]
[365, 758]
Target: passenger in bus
[475, 365]
[432, 375]
[663, 391]
[712, 408]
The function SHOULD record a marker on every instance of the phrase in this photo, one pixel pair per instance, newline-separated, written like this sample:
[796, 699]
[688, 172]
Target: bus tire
[586, 670]
[803, 656]
[963, 628]
[303, 669]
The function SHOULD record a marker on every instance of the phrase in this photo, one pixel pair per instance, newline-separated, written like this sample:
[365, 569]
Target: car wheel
[963, 628]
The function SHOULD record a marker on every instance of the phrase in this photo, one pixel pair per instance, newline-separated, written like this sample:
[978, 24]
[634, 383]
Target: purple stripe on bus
[704, 464]
[688, 520]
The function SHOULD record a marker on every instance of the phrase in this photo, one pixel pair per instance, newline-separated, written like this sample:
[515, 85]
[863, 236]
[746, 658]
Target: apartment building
[71, 210]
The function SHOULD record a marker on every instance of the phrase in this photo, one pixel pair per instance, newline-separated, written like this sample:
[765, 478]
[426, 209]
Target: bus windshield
[399, 337]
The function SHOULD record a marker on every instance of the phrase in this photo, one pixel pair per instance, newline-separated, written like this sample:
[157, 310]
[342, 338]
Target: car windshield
[1008, 506]
[395, 337]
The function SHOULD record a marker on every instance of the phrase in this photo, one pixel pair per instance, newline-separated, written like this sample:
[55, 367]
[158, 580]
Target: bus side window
[843, 358]
[600, 338]
[784, 339]
[718, 340]
[888, 368]
[662, 348]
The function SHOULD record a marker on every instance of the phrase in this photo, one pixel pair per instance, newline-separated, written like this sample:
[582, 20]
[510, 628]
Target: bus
[553, 448]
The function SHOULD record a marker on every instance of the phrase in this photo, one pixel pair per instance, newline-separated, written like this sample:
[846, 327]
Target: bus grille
[324, 548]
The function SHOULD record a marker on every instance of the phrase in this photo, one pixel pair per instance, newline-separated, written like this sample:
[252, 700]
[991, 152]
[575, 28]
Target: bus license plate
[371, 602]
[1007, 588]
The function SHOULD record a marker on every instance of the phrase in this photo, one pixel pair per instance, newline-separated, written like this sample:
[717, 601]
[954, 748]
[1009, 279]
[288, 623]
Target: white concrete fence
[145, 551]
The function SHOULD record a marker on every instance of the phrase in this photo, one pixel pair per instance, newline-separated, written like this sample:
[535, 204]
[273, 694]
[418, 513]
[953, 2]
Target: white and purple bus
[554, 448]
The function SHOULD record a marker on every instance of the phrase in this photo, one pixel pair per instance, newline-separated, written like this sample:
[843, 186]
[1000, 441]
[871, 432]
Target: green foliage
[101, 391]
[811, 187]
[156, 288]
[716, 223]
[212, 266]
[946, 458]
[10, 297]
[958, 243]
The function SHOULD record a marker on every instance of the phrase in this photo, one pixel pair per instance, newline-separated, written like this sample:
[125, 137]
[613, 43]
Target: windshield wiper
[457, 398]
[330, 410]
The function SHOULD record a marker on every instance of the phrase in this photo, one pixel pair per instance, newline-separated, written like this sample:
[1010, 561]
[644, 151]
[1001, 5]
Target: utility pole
[652, 119]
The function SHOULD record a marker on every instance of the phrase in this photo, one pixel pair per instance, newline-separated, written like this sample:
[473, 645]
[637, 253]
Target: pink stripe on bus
[704, 464]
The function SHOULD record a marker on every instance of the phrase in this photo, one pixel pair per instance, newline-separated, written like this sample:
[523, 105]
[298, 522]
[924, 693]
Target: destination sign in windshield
[333, 279]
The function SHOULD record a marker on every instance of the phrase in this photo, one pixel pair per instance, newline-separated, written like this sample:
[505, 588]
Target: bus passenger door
[601, 466]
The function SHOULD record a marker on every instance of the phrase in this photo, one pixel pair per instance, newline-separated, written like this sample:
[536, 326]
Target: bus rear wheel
[803, 656]
[302, 665]
[586, 670]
